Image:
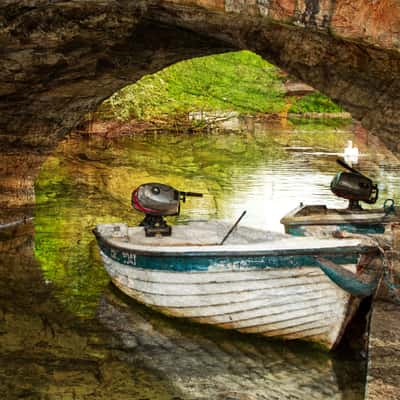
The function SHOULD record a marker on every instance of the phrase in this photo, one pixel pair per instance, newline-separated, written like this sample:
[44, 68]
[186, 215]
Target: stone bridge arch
[60, 59]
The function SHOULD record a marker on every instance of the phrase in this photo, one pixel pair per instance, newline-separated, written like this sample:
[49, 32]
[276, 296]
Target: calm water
[266, 171]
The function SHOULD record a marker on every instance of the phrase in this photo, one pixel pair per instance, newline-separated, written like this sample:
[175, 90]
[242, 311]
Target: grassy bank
[239, 81]
[314, 102]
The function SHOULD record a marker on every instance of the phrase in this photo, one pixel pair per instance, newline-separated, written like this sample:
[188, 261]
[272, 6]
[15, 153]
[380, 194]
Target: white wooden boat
[319, 220]
[257, 282]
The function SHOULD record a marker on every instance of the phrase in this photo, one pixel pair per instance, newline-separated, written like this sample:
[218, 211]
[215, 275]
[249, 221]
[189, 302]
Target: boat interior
[196, 233]
[311, 210]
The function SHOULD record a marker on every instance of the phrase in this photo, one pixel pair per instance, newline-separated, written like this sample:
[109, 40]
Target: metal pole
[233, 227]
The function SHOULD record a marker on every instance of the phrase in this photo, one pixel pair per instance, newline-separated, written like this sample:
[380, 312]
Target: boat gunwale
[371, 216]
[238, 251]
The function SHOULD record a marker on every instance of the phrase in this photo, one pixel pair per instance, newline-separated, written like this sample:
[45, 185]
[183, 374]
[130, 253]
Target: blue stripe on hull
[204, 263]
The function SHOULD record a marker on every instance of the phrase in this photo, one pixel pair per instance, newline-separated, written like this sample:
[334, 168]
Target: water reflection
[264, 171]
[48, 353]
[267, 172]
[214, 364]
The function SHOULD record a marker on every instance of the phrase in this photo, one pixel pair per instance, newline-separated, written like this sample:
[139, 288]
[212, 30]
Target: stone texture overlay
[47, 353]
[383, 381]
[60, 60]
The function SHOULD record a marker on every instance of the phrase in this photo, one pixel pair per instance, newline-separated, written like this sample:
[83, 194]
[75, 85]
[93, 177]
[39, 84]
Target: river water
[68, 334]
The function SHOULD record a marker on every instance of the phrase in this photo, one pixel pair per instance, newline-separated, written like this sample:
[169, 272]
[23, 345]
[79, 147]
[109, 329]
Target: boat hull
[271, 286]
[292, 303]
[318, 220]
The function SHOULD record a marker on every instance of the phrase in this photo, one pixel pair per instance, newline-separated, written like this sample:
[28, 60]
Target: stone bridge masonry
[60, 59]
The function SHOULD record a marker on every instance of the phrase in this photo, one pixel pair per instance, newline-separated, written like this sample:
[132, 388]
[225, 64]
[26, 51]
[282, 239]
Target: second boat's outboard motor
[156, 201]
[354, 186]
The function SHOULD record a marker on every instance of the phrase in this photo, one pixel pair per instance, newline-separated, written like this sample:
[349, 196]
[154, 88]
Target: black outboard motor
[156, 201]
[354, 186]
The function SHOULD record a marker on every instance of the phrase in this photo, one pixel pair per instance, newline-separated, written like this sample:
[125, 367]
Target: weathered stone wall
[59, 60]
[370, 21]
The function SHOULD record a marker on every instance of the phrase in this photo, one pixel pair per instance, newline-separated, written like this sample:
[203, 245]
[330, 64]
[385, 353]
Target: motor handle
[192, 194]
[348, 167]
[189, 194]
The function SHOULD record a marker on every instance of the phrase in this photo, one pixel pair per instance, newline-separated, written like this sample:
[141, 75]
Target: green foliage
[240, 81]
[319, 124]
[314, 102]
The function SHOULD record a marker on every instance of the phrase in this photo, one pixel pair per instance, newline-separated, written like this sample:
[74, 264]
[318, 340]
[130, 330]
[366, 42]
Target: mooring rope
[388, 208]
[390, 277]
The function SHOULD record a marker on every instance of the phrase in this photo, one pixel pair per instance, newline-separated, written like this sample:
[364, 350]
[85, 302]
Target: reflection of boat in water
[256, 282]
[317, 220]
[204, 363]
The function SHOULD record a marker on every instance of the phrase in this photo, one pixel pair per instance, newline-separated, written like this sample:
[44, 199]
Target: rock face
[60, 60]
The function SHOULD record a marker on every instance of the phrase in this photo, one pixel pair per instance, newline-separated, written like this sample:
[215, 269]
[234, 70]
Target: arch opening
[88, 181]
